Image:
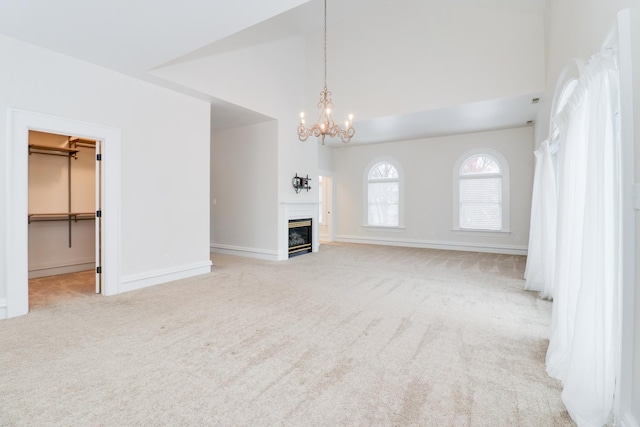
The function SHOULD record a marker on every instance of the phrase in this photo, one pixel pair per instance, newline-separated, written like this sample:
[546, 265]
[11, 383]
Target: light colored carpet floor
[353, 335]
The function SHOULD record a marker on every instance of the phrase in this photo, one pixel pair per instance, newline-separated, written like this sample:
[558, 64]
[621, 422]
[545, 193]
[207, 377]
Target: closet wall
[49, 193]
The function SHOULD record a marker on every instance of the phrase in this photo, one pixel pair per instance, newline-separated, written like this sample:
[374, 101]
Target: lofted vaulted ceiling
[136, 36]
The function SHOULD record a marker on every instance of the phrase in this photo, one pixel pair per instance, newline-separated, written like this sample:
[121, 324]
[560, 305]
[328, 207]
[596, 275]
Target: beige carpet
[354, 335]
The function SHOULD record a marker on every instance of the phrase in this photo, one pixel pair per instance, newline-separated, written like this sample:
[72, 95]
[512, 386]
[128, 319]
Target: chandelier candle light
[325, 124]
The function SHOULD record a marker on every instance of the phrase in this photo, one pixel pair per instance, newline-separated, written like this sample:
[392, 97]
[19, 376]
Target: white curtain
[583, 340]
[541, 259]
[572, 165]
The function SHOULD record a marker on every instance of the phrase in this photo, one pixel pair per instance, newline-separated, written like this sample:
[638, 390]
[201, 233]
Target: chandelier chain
[325, 124]
[325, 44]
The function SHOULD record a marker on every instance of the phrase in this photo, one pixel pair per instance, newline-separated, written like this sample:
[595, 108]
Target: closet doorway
[16, 231]
[64, 217]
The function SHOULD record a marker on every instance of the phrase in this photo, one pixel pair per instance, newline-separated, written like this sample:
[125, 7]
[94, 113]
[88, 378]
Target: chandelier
[325, 124]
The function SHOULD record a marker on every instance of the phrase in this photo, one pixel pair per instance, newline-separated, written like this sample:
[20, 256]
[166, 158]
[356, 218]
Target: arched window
[383, 195]
[482, 186]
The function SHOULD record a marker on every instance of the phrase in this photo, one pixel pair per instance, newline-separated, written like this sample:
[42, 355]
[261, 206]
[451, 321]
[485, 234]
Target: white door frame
[19, 123]
[98, 206]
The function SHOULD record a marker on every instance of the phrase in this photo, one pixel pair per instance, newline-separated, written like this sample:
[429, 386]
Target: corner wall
[164, 168]
[244, 190]
[267, 78]
[573, 29]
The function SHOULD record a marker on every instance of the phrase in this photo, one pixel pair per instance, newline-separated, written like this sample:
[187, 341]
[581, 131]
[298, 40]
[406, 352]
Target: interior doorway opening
[15, 223]
[325, 208]
[64, 233]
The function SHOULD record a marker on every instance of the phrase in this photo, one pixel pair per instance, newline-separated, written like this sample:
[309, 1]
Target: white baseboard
[144, 280]
[628, 420]
[54, 269]
[427, 244]
[264, 254]
[3, 309]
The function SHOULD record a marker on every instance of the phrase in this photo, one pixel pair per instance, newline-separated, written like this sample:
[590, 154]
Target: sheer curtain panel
[541, 259]
[583, 344]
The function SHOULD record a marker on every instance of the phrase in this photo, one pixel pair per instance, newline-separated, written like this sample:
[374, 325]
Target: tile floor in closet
[50, 290]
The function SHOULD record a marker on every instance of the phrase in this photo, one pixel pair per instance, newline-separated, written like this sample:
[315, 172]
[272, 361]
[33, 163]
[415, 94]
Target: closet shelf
[66, 216]
[71, 151]
[53, 151]
[81, 142]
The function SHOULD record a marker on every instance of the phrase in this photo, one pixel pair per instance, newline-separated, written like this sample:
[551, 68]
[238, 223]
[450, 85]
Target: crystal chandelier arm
[303, 133]
[347, 134]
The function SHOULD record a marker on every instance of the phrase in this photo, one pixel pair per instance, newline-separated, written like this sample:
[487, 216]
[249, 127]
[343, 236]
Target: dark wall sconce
[300, 183]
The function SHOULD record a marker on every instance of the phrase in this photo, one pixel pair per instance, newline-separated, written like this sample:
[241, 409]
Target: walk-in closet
[62, 216]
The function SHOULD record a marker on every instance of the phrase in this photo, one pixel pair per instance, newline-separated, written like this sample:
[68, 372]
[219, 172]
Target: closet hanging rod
[71, 216]
[53, 151]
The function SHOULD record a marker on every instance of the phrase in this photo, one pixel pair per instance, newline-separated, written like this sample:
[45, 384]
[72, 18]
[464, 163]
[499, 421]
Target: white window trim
[506, 199]
[365, 194]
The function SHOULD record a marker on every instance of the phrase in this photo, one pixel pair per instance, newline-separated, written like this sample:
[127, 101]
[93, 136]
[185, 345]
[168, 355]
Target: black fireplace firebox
[299, 236]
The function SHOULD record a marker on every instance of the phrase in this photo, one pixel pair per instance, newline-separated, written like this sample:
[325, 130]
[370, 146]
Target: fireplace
[300, 232]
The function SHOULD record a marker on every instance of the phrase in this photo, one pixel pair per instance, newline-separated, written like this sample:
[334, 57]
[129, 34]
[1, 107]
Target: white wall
[267, 78]
[428, 165]
[573, 29]
[49, 251]
[244, 190]
[165, 155]
[403, 57]
[325, 157]
[409, 56]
